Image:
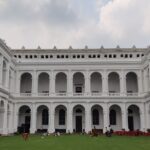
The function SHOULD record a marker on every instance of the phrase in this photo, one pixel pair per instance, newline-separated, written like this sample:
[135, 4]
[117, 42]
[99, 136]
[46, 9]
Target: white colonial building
[76, 90]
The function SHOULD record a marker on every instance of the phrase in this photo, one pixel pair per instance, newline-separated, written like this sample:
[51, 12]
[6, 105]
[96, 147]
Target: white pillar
[88, 126]
[145, 82]
[34, 84]
[5, 119]
[18, 83]
[1, 70]
[106, 117]
[104, 83]
[52, 85]
[70, 84]
[142, 117]
[124, 117]
[140, 84]
[10, 122]
[147, 116]
[87, 84]
[51, 127]
[69, 118]
[33, 119]
[16, 118]
[7, 75]
[122, 83]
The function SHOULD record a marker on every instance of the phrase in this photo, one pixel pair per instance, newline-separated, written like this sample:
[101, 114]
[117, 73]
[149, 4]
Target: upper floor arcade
[82, 83]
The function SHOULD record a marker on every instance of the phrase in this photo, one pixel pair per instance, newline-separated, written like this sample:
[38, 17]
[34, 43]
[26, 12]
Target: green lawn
[75, 142]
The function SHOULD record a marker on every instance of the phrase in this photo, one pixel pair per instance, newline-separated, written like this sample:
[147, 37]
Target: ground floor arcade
[72, 117]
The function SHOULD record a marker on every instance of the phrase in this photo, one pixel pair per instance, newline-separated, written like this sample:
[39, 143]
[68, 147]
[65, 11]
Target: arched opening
[61, 83]
[96, 83]
[60, 119]
[1, 115]
[43, 84]
[26, 83]
[131, 83]
[133, 118]
[24, 119]
[97, 118]
[115, 117]
[4, 74]
[78, 118]
[78, 83]
[113, 83]
[42, 118]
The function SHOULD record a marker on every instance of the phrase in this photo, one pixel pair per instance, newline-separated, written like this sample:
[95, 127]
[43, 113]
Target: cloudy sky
[75, 22]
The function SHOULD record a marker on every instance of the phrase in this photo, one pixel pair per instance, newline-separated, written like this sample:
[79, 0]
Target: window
[35, 56]
[45, 117]
[67, 56]
[42, 56]
[82, 56]
[74, 56]
[138, 55]
[46, 56]
[62, 117]
[105, 56]
[98, 56]
[26, 56]
[89, 56]
[78, 89]
[126, 55]
[62, 56]
[110, 56]
[78, 110]
[78, 56]
[19, 56]
[95, 115]
[114, 55]
[51, 56]
[121, 55]
[112, 117]
[31, 56]
[130, 55]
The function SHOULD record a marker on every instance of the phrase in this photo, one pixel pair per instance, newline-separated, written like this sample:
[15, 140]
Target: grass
[75, 142]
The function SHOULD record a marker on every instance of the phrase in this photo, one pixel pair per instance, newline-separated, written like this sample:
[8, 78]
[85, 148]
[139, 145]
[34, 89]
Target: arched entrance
[133, 118]
[97, 117]
[115, 117]
[60, 119]
[79, 118]
[42, 118]
[24, 119]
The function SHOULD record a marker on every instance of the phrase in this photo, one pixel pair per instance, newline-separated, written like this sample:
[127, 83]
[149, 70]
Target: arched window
[112, 117]
[62, 117]
[45, 117]
[95, 115]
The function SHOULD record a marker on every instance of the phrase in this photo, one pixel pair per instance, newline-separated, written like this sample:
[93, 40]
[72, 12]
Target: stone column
[7, 75]
[1, 70]
[88, 126]
[124, 117]
[10, 121]
[122, 83]
[51, 127]
[5, 119]
[16, 118]
[33, 119]
[106, 117]
[87, 84]
[52, 85]
[69, 118]
[140, 83]
[142, 117]
[70, 84]
[147, 119]
[34, 84]
[145, 82]
[104, 84]
[18, 83]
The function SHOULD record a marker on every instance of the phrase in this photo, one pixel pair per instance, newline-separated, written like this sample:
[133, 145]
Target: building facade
[74, 90]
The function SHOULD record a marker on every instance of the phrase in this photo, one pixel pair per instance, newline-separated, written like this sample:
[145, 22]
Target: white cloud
[75, 22]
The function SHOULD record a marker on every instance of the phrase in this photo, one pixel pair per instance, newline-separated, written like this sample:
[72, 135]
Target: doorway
[78, 123]
[130, 123]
